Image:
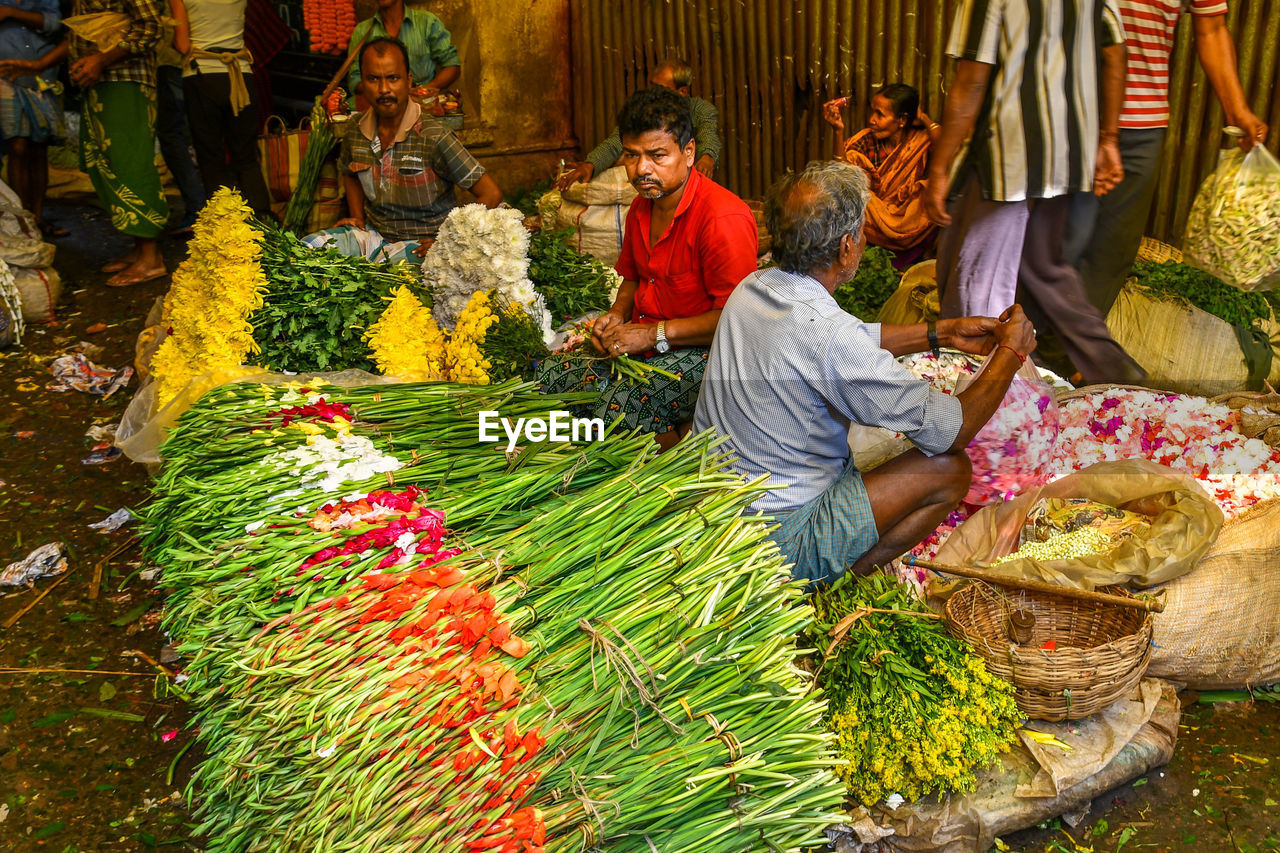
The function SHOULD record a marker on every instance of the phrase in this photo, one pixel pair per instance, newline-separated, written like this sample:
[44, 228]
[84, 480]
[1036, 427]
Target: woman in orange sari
[893, 150]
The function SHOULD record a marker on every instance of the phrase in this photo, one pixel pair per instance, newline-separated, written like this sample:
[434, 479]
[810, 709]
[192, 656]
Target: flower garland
[464, 359]
[406, 341]
[480, 249]
[11, 300]
[213, 293]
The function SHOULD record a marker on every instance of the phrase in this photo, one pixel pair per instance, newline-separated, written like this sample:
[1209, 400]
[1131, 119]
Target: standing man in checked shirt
[677, 76]
[1031, 118]
[790, 371]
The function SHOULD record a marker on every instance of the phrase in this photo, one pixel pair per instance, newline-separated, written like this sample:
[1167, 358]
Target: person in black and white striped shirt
[1028, 122]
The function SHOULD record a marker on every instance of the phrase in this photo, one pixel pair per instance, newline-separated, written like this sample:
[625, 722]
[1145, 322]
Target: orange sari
[895, 213]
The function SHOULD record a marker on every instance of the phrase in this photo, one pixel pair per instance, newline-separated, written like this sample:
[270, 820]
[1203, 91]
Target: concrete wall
[515, 83]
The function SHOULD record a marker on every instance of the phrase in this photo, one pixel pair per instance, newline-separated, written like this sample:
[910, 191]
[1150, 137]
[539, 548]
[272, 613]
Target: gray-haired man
[789, 371]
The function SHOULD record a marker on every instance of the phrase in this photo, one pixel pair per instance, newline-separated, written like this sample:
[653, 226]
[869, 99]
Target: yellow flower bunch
[406, 341]
[913, 709]
[213, 293]
[464, 357]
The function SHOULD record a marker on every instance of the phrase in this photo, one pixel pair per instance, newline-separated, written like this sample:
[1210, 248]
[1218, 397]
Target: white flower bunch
[481, 249]
[327, 463]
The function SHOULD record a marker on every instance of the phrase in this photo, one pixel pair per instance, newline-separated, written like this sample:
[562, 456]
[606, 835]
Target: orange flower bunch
[329, 23]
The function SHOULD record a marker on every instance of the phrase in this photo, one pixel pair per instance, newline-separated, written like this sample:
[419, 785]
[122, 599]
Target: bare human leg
[910, 496]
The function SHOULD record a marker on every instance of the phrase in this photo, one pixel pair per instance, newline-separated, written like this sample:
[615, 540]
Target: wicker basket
[1153, 250]
[1101, 651]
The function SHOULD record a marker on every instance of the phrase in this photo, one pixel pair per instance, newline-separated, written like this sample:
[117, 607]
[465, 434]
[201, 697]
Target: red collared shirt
[707, 249]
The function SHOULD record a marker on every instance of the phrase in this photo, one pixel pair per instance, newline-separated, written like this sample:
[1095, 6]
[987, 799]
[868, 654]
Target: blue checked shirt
[789, 372]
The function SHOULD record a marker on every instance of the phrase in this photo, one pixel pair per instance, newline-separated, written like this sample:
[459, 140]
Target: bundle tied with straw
[384, 669]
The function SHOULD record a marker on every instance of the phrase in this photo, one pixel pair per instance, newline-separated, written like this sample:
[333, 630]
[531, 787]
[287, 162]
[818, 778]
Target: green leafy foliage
[871, 286]
[318, 305]
[513, 343]
[914, 710]
[571, 282]
[1175, 281]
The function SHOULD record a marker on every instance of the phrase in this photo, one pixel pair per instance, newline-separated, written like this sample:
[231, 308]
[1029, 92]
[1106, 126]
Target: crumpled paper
[75, 372]
[44, 562]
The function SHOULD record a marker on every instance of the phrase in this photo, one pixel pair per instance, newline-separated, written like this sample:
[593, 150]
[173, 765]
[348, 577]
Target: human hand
[12, 69]
[935, 199]
[1255, 129]
[629, 339]
[424, 246]
[1109, 171]
[350, 222]
[831, 112]
[602, 325]
[923, 117]
[86, 72]
[705, 165]
[969, 334]
[581, 172]
[1015, 331]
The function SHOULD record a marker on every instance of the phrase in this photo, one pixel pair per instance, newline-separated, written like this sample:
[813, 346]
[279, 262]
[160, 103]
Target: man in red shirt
[688, 242]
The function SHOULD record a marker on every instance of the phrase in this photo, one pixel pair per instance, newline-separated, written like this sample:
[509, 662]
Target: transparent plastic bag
[1233, 230]
[1013, 452]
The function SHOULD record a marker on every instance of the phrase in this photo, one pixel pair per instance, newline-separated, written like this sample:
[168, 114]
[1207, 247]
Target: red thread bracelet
[1022, 359]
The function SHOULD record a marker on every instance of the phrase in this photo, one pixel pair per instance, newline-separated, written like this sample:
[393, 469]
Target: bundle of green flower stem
[575, 646]
[913, 709]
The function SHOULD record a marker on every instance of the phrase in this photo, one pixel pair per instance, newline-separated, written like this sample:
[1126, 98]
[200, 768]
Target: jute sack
[39, 289]
[1221, 623]
[1182, 348]
[595, 212]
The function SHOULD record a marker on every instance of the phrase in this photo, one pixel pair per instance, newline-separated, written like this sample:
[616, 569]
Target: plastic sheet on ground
[143, 429]
[1032, 783]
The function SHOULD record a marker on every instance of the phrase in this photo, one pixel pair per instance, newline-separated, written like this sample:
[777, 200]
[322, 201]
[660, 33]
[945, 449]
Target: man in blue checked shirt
[790, 371]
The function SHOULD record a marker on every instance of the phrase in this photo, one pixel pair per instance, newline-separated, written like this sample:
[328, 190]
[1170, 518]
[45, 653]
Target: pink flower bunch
[1014, 451]
[320, 410]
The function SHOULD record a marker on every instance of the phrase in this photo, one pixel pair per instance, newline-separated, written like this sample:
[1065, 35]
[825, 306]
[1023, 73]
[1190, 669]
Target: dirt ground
[93, 756]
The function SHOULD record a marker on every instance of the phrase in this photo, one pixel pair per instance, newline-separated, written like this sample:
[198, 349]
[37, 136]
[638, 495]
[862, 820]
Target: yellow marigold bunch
[464, 357]
[213, 293]
[406, 341]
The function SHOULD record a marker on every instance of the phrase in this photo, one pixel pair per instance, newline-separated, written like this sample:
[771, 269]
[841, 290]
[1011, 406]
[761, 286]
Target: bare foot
[136, 273]
[121, 262]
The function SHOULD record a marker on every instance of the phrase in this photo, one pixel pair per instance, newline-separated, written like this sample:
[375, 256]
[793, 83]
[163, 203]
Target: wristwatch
[661, 344]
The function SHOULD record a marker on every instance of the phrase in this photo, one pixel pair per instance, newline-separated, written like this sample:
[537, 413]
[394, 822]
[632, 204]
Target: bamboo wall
[769, 65]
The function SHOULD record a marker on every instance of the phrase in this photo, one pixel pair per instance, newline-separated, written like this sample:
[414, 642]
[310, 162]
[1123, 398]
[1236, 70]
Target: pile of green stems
[661, 624]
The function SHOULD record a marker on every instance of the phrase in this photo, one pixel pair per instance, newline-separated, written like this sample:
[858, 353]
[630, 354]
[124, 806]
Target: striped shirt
[428, 43]
[789, 372]
[1149, 27]
[140, 39]
[706, 132]
[1037, 131]
[408, 188]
